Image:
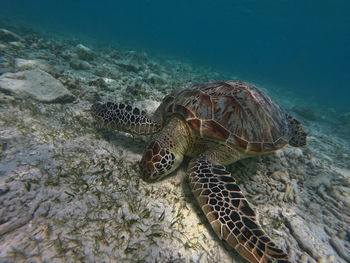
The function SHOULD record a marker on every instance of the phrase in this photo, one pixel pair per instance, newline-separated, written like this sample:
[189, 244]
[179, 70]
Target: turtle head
[158, 161]
[298, 135]
[166, 151]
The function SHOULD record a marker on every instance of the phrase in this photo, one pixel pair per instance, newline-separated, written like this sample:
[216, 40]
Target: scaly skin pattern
[124, 117]
[230, 214]
[298, 134]
[164, 154]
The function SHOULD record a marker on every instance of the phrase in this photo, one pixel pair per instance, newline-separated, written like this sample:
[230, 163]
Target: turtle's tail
[124, 117]
[298, 136]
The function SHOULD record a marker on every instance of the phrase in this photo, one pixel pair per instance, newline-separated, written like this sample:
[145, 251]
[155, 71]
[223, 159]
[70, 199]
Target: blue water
[299, 45]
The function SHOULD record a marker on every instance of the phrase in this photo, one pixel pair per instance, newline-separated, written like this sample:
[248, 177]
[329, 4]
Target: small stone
[301, 234]
[84, 52]
[293, 152]
[6, 65]
[17, 44]
[337, 245]
[128, 65]
[36, 84]
[155, 79]
[79, 64]
[25, 64]
[331, 259]
[281, 176]
[2, 146]
[4, 189]
[8, 36]
[289, 194]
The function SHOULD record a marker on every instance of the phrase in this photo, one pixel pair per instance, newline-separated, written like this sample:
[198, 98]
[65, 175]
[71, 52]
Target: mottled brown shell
[232, 112]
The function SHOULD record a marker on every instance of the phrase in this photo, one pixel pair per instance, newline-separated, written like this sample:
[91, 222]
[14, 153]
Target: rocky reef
[70, 191]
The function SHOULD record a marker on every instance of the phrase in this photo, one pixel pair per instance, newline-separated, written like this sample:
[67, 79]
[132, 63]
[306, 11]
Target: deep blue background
[300, 45]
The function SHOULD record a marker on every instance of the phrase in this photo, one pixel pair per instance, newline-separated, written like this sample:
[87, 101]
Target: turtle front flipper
[124, 117]
[230, 214]
[298, 136]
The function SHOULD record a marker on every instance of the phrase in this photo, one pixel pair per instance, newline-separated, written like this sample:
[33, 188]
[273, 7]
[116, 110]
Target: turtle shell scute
[232, 112]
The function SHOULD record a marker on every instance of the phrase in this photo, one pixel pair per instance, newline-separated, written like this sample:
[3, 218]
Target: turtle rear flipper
[124, 117]
[298, 136]
[230, 214]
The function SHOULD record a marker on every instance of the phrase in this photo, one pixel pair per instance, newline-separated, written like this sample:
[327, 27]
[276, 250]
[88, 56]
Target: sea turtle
[216, 124]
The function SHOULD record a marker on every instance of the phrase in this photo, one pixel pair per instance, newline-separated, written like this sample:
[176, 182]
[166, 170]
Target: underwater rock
[6, 64]
[36, 84]
[8, 36]
[16, 44]
[128, 65]
[26, 64]
[79, 64]
[155, 79]
[281, 176]
[84, 52]
[301, 234]
[101, 84]
[2, 148]
[341, 250]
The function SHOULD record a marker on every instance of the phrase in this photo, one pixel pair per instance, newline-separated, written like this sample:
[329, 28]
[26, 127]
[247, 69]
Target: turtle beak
[149, 177]
[149, 170]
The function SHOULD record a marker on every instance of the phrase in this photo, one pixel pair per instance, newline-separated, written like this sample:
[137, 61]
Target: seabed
[70, 191]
